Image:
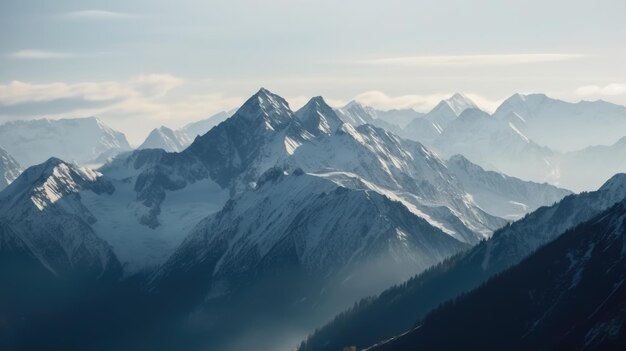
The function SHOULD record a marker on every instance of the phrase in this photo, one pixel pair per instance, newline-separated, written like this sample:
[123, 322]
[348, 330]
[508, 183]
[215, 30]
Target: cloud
[422, 103]
[134, 106]
[612, 89]
[99, 15]
[146, 86]
[468, 60]
[33, 54]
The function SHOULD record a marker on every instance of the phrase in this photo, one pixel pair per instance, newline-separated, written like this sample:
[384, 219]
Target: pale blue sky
[139, 64]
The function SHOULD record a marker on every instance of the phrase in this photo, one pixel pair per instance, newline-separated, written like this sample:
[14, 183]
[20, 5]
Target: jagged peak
[317, 116]
[48, 182]
[316, 102]
[459, 103]
[55, 167]
[266, 96]
[266, 107]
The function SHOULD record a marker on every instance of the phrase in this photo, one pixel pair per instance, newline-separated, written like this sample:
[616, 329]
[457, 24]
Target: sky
[139, 64]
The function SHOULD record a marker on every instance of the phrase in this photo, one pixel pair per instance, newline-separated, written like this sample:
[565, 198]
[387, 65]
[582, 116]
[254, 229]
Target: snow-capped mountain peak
[449, 109]
[459, 103]
[264, 106]
[43, 208]
[316, 116]
[50, 181]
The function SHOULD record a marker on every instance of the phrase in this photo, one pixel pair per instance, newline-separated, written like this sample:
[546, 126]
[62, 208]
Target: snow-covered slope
[561, 125]
[318, 118]
[43, 209]
[81, 140]
[367, 157]
[501, 195]
[64, 200]
[166, 139]
[327, 226]
[9, 169]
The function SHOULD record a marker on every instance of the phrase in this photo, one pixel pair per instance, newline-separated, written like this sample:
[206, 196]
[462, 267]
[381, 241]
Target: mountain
[166, 139]
[568, 295]
[9, 169]
[501, 195]
[448, 110]
[586, 168]
[318, 118]
[44, 217]
[430, 126]
[385, 316]
[578, 125]
[177, 140]
[497, 145]
[303, 245]
[80, 139]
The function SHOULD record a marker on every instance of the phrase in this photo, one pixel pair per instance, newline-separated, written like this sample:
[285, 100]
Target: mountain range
[266, 197]
[533, 137]
[517, 139]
